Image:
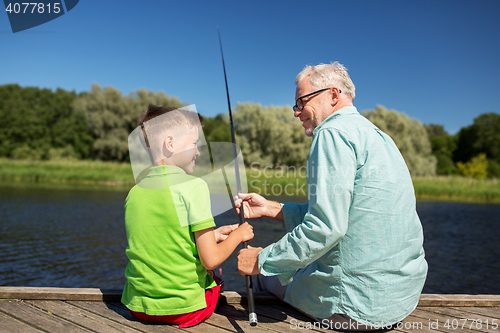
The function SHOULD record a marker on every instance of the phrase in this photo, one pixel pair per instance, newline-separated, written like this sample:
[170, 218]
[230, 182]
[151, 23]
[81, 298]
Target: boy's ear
[168, 145]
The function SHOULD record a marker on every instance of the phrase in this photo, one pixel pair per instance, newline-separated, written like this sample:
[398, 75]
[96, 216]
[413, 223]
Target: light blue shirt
[357, 247]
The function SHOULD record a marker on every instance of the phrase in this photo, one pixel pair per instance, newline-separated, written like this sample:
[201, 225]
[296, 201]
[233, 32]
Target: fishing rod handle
[252, 316]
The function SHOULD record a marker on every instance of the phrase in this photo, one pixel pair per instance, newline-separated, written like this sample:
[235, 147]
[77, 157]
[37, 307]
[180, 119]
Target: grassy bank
[67, 172]
[266, 182]
[457, 188]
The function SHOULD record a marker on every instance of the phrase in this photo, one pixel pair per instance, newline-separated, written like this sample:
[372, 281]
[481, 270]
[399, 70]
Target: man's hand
[221, 233]
[256, 206]
[248, 262]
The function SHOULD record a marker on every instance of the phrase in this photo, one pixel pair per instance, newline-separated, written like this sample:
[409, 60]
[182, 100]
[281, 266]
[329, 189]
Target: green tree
[435, 130]
[488, 135]
[493, 169]
[443, 146]
[270, 135]
[410, 137]
[111, 117]
[466, 138]
[481, 137]
[35, 120]
[217, 129]
[477, 167]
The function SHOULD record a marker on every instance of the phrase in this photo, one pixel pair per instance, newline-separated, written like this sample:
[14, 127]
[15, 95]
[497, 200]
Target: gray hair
[326, 76]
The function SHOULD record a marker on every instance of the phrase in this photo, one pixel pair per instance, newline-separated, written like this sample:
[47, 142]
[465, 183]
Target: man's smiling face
[315, 109]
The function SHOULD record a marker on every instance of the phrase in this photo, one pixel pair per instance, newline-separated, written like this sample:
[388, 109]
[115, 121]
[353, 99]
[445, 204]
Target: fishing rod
[248, 278]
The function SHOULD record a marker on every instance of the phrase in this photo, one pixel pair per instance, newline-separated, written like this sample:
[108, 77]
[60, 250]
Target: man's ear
[168, 145]
[335, 96]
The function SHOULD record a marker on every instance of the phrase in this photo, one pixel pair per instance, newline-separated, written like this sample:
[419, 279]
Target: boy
[169, 225]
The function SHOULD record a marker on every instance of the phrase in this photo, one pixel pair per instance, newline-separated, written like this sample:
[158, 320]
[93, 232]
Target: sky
[436, 61]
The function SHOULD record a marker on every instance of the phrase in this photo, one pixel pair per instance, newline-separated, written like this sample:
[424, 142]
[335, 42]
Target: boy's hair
[168, 120]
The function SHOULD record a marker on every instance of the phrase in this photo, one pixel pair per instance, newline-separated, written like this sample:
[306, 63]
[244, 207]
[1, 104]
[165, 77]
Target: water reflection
[61, 238]
[462, 247]
[76, 238]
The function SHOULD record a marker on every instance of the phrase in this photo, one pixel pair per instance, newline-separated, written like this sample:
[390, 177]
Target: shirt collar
[161, 170]
[346, 110]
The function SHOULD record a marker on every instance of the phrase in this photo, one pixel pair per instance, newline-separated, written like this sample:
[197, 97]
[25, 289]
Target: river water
[76, 238]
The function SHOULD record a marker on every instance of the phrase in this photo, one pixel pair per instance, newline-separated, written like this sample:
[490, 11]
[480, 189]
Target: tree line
[42, 124]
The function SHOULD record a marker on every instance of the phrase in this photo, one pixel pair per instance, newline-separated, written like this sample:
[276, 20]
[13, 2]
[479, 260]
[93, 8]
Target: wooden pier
[61, 310]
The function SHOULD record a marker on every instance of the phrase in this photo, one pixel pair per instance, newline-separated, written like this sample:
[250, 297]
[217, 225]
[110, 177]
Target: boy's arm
[213, 254]
[221, 233]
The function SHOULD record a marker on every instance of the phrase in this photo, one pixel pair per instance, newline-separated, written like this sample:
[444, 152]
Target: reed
[66, 171]
[457, 188]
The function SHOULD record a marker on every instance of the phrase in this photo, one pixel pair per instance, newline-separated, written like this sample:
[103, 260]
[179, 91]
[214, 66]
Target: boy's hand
[245, 232]
[223, 232]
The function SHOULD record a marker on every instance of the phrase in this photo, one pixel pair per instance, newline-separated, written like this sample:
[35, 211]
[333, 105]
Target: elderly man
[352, 257]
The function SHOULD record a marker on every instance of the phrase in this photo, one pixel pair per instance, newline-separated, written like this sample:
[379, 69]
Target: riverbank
[270, 182]
[66, 172]
[457, 188]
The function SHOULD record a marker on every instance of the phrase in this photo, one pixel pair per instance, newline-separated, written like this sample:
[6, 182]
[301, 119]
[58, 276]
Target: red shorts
[192, 318]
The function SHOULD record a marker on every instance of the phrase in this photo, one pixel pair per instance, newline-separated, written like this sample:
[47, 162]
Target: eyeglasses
[299, 104]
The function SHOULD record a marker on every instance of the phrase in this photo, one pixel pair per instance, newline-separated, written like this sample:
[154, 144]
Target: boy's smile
[186, 150]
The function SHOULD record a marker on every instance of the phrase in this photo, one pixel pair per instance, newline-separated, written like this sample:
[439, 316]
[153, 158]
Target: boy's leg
[211, 297]
[187, 319]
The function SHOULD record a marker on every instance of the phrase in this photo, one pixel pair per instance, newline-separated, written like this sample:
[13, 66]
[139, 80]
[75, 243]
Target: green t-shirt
[165, 275]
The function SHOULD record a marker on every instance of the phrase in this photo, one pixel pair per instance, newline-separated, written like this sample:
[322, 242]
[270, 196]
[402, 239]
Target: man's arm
[330, 188]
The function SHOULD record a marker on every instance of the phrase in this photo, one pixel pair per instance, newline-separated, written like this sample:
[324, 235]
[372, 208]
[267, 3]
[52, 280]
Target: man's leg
[337, 321]
[270, 284]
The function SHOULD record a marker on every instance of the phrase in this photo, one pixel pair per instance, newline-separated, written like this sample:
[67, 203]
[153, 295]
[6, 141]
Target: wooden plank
[82, 317]
[113, 311]
[238, 319]
[229, 297]
[38, 318]
[9, 324]
[474, 321]
[204, 327]
[273, 320]
[458, 300]
[213, 324]
[230, 314]
[109, 295]
[493, 312]
[62, 294]
[412, 324]
[233, 297]
[289, 315]
[284, 307]
[220, 323]
[438, 321]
